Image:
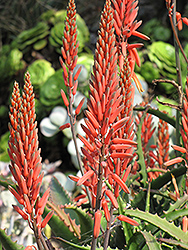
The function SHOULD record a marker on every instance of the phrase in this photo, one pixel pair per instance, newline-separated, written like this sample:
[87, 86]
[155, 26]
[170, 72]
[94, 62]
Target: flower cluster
[25, 157]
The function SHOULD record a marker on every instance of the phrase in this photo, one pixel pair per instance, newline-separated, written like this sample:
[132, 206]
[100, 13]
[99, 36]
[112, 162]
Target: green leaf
[85, 220]
[179, 203]
[141, 160]
[72, 244]
[151, 241]
[171, 216]
[174, 243]
[58, 194]
[7, 243]
[59, 228]
[163, 224]
[159, 114]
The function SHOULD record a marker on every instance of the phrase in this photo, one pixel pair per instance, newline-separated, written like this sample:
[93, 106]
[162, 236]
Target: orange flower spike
[121, 183]
[66, 102]
[77, 111]
[112, 198]
[173, 161]
[16, 195]
[97, 224]
[185, 224]
[179, 20]
[44, 198]
[86, 143]
[175, 186]
[180, 149]
[86, 176]
[46, 219]
[67, 125]
[185, 20]
[22, 213]
[128, 220]
[105, 208]
[137, 82]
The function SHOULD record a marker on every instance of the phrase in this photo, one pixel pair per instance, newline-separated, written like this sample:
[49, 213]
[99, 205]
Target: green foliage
[11, 62]
[50, 94]
[7, 243]
[29, 37]
[40, 70]
[3, 147]
[156, 30]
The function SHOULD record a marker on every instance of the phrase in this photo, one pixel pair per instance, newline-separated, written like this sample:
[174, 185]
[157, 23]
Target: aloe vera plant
[132, 194]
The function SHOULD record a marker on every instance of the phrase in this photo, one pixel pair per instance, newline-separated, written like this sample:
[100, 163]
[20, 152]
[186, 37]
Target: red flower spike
[178, 148]
[27, 204]
[112, 198]
[128, 220]
[86, 176]
[16, 195]
[66, 102]
[125, 176]
[173, 161]
[185, 20]
[121, 183]
[44, 198]
[22, 213]
[77, 73]
[67, 125]
[105, 208]
[97, 224]
[77, 111]
[179, 21]
[46, 219]
[86, 143]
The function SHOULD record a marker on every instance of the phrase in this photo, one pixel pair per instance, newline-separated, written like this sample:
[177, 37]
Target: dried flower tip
[86, 176]
[175, 186]
[97, 224]
[137, 82]
[128, 220]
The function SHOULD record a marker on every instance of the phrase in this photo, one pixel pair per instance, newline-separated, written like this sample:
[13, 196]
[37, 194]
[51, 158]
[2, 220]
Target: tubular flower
[24, 152]
[125, 12]
[184, 130]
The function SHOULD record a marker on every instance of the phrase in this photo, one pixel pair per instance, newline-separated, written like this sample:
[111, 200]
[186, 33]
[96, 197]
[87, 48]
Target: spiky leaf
[7, 243]
[151, 241]
[85, 220]
[163, 224]
[58, 194]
